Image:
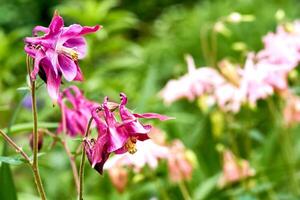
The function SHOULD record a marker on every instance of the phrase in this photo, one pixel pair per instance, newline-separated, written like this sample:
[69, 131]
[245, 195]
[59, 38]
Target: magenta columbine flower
[76, 111]
[57, 51]
[117, 136]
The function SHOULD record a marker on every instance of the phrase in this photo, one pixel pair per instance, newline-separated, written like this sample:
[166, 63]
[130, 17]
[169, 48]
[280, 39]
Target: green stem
[15, 146]
[81, 168]
[25, 127]
[184, 191]
[35, 165]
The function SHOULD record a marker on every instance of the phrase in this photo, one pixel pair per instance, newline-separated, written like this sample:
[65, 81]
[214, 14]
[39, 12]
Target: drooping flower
[180, 167]
[119, 177]
[148, 154]
[117, 136]
[76, 111]
[234, 170]
[193, 84]
[57, 51]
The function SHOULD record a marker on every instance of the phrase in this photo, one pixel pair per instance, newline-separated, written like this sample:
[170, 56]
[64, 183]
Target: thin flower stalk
[35, 167]
[81, 167]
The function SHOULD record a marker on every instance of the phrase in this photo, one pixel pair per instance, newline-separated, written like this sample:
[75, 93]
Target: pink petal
[38, 57]
[56, 24]
[79, 76]
[39, 29]
[67, 67]
[78, 44]
[90, 29]
[53, 81]
[153, 116]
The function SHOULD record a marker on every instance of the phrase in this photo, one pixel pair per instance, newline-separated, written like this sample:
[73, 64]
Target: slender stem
[35, 166]
[69, 154]
[73, 165]
[184, 191]
[15, 146]
[81, 168]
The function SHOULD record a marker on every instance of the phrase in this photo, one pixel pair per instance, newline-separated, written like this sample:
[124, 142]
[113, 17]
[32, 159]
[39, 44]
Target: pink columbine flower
[282, 47]
[254, 81]
[195, 83]
[57, 51]
[180, 167]
[148, 154]
[117, 136]
[76, 111]
[233, 169]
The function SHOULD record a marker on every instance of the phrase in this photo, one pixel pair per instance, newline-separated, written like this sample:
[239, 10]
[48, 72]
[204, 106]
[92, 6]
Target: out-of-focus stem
[184, 191]
[35, 166]
[73, 165]
[81, 168]
[15, 146]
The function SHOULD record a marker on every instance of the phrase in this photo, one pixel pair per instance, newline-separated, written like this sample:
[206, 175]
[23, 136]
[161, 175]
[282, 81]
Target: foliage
[141, 46]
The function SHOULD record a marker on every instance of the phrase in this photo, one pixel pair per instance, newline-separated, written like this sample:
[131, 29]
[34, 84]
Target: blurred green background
[141, 47]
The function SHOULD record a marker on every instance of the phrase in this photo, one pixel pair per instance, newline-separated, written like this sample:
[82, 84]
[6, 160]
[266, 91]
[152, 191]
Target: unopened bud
[40, 140]
[280, 15]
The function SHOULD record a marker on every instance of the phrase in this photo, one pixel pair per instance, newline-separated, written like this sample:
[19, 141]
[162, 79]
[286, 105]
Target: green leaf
[7, 186]
[28, 127]
[203, 190]
[12, 160]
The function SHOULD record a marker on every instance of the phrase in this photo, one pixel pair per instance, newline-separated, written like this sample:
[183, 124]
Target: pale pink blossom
[193, 84]
[148, 154]
[119, 177]
[234, 170]
[180, 167]
[254, 81]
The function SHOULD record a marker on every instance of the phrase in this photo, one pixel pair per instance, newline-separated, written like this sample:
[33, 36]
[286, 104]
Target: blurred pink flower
[291, 111]
[180, 167]
[114, 136]
[148, 154]
[233, 169]
[282, 47]
[195, 83]
[119, 177]
[76, 111]
[254, 82]
[56, 53]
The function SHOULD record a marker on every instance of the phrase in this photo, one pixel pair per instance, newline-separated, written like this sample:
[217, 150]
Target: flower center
[70, 52]
[131, 145]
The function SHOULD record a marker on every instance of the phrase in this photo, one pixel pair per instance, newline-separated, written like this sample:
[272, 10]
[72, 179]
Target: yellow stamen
[69, 52]
[131, 145]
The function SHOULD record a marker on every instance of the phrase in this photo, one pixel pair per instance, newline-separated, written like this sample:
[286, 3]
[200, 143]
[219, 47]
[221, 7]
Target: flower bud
[40, 140]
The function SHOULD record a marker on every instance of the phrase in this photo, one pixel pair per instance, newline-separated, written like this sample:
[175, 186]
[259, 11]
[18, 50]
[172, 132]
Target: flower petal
[153, 116]
[38, 57]
[39, 29]
[53, 81]
[90, 29]
[67, 67]
[78, 44]
[56, 24]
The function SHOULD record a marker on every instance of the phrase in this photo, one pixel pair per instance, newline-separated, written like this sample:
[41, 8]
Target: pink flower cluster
[56, 53]
[231, 86]
[234, 170]
[149, 153]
